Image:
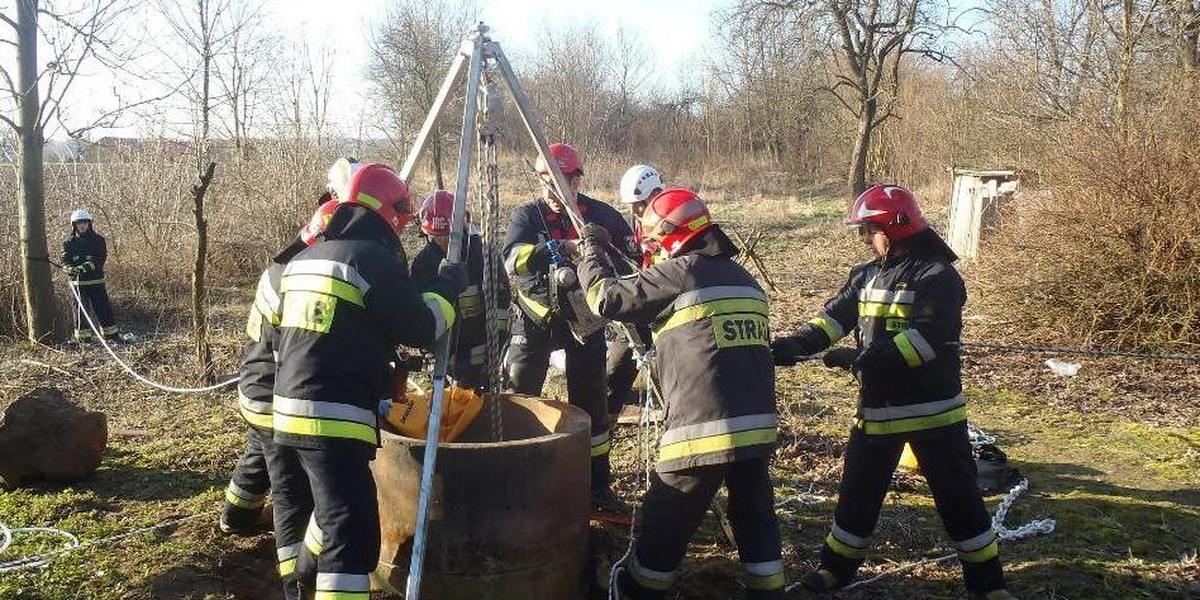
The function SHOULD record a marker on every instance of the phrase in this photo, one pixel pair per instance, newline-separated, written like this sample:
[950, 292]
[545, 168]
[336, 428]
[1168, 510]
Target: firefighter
[710, 323]
[83, 256]
[905, 308]
[346, 303]
[639, 185]
[539, 240]
[469, 338]
[247, 491]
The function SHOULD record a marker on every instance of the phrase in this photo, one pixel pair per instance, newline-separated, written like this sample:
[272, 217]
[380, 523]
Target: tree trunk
[857, 180]
[39, 289]
[199, 293]
[438, 180]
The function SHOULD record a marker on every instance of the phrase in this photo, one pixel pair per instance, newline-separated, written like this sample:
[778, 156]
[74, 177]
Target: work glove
[869, 358]
[840, 358]
[785, 351]
[455, 277]
[595, 236]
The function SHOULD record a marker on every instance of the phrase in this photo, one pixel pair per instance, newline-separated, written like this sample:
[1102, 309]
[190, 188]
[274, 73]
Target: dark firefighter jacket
[907, 311]
[710, 324]
[470, 330]
[347, 302]
[527, 254]
[86, 250]
[257, 383]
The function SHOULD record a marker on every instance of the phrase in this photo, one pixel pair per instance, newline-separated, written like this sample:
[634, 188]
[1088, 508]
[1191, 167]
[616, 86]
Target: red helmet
[674, 217]
[316, 225]
[380, 189]
[890, 207]
[436, 212]
[567, 158]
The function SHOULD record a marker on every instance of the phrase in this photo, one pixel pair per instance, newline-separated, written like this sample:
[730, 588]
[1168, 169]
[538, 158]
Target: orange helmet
[567, 158]
[889, 207]
[316, 225]
[674, 217]
[380, 189]
[436, 212]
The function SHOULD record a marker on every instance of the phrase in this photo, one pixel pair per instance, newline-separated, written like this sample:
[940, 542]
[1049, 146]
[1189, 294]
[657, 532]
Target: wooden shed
[975, 205]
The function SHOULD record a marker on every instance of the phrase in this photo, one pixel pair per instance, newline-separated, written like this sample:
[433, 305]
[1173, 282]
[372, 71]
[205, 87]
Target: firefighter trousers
[95, 299]
[248, 487]
[291, 499]
[528, 360]
[948, 465]
[675, 505]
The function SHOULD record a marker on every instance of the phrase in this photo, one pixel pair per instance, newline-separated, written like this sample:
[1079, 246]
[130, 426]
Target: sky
[675, 31]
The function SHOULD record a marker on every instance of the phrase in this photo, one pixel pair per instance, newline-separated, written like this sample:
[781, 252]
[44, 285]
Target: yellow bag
[409, 414]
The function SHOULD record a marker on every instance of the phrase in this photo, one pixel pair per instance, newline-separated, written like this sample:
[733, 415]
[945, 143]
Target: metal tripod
[476, 52]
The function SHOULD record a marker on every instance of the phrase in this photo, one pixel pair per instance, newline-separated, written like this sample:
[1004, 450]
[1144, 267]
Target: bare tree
[245, 71]
[410, 52]
[39, 92]
[869, 41]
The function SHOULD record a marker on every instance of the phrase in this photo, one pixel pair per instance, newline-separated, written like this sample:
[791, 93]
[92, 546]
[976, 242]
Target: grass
[1113, 455]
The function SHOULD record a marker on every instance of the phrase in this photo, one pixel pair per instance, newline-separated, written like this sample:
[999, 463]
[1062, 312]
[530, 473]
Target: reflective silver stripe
[662, 576]
[920, 344]
[517, 340]
[702, 430]
[601, 439]
[924, 409]
[848, 538]
[288, 552]
[479, 350]
[471, 290]
[887, 296]
[764, 569]
[343, 582]
[328, 268]
[716, 292]
[978, 542]
[323, 410]
[268, 293]
[254, 406]
[238, 491]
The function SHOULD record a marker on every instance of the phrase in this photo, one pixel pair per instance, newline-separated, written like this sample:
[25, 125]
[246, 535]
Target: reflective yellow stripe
[322, 284]
[830, 327]
[593, 294]
[602, 449]
[254, 325]
[913, 424]
[539, 310]
[324, 428]
[880, 310]
[519, 261]
[314, 539]
[322, 595]
[256, 419]
[88, 282]
[443, 313]
[233, 499]
[848, 551]
[287, 567]
[770, 582]
[717, 443]
[983, 554]
[708, 309]
[649, 578]
[907, 351]
[368, 200]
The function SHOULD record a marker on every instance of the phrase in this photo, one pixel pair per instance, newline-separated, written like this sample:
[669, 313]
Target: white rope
[40, 560]
[128, 369]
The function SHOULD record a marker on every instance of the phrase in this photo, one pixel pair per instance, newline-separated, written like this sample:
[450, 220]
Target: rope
[1076, 351]
[648, 431]
[40, 560]
[128, 369]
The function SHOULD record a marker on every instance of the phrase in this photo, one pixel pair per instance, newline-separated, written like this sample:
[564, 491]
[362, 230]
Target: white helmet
[80, 214]
[339, 175]
[639, 183]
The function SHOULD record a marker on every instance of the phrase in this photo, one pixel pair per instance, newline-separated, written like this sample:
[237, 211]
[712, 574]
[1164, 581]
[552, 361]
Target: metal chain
[1076, 351]
[489, 196]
